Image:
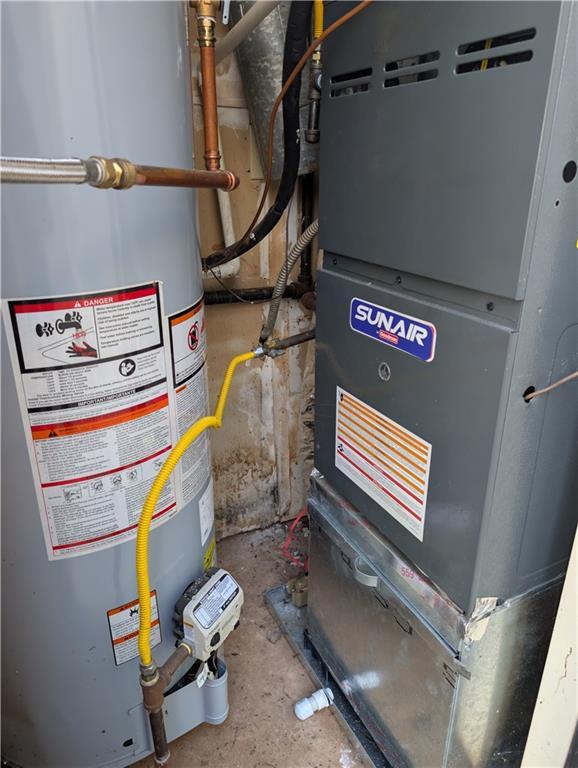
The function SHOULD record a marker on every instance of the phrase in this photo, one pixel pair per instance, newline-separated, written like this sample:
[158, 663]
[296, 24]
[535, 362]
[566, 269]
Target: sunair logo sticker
[406, 333]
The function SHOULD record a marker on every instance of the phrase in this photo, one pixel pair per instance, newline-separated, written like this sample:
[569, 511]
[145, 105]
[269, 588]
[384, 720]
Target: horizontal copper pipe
[109, 173]
[151, 176]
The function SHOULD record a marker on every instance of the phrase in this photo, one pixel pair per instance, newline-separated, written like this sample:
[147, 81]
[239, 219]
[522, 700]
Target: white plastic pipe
[231, 268]
[312, 704]
[254, 16]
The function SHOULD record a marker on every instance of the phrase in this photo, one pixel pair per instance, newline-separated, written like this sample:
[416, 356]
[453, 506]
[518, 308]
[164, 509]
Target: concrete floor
[266, 679]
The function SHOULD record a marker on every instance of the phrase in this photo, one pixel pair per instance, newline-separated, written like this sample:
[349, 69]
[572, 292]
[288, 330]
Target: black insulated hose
[296, 39]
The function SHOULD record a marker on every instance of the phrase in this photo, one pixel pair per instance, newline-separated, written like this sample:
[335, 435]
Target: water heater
[103, 368]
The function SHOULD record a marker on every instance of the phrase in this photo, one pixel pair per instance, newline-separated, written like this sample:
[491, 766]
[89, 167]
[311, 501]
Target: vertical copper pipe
[206, 26]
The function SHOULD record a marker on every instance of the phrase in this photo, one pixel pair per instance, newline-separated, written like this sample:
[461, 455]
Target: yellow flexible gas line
[317, 17]
[142, 538]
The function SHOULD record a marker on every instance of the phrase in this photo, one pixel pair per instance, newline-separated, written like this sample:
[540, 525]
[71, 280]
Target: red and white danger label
[91, 374]
[387, 461]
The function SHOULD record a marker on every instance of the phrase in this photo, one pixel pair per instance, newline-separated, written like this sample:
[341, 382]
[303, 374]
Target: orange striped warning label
[123, 623]
[386, 460]
[103, 421]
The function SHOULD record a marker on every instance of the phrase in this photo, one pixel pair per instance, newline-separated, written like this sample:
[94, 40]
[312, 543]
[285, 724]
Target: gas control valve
[208, 612]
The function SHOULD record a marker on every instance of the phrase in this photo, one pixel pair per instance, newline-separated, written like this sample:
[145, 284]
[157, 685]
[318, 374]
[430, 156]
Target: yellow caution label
[210, 556]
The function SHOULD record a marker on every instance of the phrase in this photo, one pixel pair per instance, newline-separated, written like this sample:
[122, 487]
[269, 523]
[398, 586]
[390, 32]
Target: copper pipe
[210, 118]
[109, 173]
[149, 175]
[206, 22]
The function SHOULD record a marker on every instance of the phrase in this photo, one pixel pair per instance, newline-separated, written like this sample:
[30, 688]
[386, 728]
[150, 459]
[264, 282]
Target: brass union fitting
[110, 173]
[206, 32]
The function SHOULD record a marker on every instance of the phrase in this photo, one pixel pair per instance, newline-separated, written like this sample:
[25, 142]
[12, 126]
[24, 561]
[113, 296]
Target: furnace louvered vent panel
[350, 83]
[411, 69]
[514, 55]
[424, 160]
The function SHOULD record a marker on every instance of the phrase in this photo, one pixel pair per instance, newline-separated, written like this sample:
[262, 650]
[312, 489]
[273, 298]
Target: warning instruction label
[123, 623]
[189, 380]
[386, 460]
[207, 512]
[94, 395]
[217, 599]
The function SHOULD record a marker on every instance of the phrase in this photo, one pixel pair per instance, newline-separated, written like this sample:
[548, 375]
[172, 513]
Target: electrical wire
[550, 387]
[246, 238]
[285, 549]
[257, 301]
[234, 293]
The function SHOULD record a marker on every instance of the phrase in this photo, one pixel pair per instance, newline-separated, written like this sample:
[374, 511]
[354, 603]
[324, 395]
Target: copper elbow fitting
[233, 181]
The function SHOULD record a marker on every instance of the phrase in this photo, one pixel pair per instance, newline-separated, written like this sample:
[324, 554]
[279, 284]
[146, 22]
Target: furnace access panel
[447, 290]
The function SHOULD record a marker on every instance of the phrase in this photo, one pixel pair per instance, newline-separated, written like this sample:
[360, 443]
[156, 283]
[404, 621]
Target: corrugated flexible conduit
[142, 539]
[283, 277]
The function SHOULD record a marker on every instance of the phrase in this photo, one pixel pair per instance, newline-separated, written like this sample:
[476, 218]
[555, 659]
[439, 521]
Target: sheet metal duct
[260, 58]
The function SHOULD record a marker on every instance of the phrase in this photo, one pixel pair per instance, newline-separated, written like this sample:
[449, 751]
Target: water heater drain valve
[208, 611]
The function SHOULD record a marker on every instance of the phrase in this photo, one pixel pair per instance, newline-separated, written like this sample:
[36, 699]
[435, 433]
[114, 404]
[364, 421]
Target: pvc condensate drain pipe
[312, 704]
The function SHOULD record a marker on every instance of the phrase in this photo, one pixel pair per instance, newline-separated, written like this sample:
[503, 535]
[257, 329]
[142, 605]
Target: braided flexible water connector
[283, 276]
[42, 170]
[142, 539]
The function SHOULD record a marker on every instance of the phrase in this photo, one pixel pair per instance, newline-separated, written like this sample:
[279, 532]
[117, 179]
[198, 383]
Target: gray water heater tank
[97, 381]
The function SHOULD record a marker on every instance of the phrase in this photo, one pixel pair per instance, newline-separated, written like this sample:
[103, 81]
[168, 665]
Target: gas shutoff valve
[210, 609]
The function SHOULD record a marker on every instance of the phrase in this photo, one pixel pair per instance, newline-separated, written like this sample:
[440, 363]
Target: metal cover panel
[448, 187]
[554, 480]
[463, 382]
[422, 706]
[445, 619]
[373, 645]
